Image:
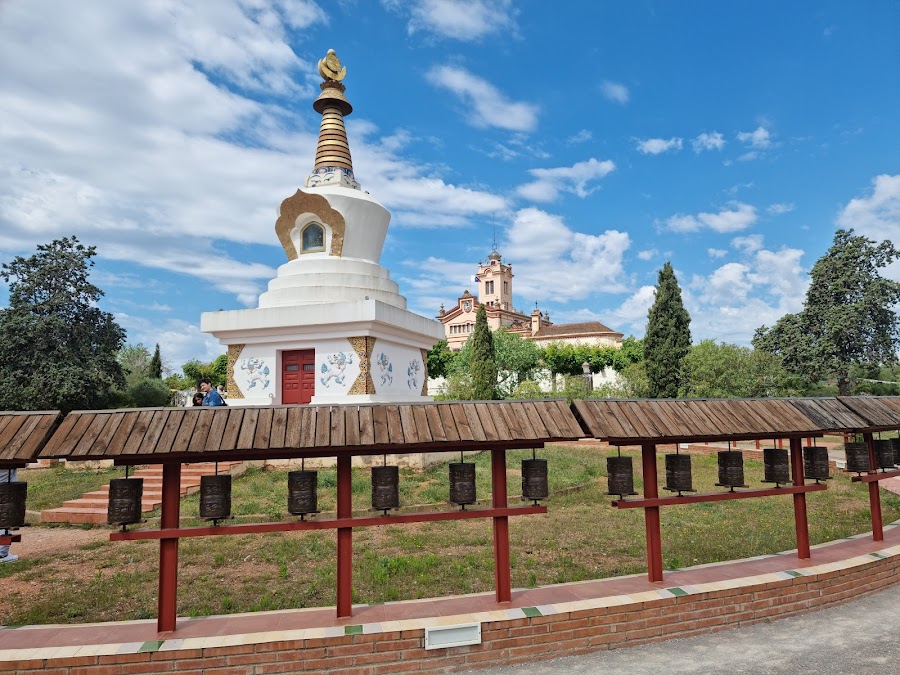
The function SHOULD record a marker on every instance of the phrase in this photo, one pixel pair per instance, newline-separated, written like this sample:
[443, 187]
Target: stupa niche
[332, 326]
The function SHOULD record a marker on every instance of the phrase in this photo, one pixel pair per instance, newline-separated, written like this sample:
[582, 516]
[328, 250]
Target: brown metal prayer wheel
[815, 462]
[857, 457]
[895, 442]
[215, 497]
[620, 476]
[385, 488]
[125, 501]
[731, 469]
[678, 473]
[776, 467]
[302, 495]
[12, 504]
[534, 479]
[462, 483]
[884, 454]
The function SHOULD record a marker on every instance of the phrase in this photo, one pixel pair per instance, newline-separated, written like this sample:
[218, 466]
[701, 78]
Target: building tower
[332, 326]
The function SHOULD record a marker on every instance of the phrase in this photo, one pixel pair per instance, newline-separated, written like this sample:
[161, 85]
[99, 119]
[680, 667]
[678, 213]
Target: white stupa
[332, 326]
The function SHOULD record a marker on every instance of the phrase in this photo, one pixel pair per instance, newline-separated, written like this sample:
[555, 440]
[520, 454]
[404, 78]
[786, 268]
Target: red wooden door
[298, 376]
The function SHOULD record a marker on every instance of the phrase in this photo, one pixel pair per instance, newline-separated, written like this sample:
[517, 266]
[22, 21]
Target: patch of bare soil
[43, 540]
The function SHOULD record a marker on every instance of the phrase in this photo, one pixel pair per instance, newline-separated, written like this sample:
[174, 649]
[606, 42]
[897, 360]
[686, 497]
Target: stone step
[74, 516]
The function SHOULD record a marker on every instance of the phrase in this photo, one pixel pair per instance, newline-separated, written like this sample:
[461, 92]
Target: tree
[720, 370]
[484, 365]
[155, 368]
[848, 316]
[135, 361]
[57, 348]
[668, 337]
[215, 370]
[439, 359]
[151, 392]
[516, 359]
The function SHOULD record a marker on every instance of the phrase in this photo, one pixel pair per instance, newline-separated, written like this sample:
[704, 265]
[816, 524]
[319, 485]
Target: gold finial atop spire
[333, 161]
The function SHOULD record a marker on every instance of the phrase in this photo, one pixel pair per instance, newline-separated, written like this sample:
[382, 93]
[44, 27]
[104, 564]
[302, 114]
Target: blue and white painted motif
[333, 370]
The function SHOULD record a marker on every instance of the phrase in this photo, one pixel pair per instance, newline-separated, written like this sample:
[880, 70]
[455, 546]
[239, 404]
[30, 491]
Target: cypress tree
[155, 368]
[484, 364]
[668, 338]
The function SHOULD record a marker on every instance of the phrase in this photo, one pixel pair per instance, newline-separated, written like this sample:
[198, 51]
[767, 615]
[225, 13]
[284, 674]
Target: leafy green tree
[135, 361]
[150, 392]
[720, 370]
[517, 360]
[668, 337]
[215, 370]
[57, 348]
[155, 367]
[484, 365]
[439, 359]
[848, 316]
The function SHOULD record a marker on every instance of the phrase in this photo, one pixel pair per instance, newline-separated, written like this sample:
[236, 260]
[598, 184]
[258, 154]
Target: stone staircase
[91, 507]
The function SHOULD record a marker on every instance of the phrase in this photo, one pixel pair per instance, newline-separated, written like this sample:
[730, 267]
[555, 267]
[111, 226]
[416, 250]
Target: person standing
[8, 476]
[211, 397]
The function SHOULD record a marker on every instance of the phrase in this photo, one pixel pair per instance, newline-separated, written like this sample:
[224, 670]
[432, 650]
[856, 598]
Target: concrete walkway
[857, 638]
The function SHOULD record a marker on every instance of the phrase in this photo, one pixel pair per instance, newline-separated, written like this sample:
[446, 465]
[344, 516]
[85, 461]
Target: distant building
[494, 283]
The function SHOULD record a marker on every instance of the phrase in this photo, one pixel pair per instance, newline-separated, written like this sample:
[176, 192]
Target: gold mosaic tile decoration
[304, 202]
[363, 346]
[231, 387]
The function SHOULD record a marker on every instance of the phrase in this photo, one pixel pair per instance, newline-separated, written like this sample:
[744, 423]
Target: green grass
[49, 488]
[581, 537]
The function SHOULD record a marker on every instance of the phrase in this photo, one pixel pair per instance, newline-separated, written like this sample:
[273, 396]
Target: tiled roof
[566, 329]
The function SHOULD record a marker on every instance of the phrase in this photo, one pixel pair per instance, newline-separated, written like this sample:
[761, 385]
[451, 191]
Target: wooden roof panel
[878, 411]
[32, 432]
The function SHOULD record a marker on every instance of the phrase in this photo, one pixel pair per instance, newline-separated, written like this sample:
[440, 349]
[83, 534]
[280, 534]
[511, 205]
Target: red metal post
[651, 514]
[502, 582]
[801, 522]
[874, 496]
[344, 538]
[168, 548]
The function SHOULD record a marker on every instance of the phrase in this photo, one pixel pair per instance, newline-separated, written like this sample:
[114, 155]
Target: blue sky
[599, 139]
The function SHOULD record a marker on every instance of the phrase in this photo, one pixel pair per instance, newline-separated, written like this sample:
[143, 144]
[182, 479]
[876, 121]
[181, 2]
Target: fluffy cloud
[759, 138]
[739, 217]
[716, 252]
[780, 208]
[582, 136]
[708, 141]
[486, 105]
[464, 20]
[631, 315]
[749, 244]
[657, 146]
[648, 254]
[574, 179]
[613, 91]
[876, 215]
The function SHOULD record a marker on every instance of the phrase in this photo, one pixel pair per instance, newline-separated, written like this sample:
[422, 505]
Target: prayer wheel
[385, 488]
[776, 467]
[534, 480]
[815, 462]
[620, 473]
[731, 469]
[125, 501]
[215, 497]
[884, 454]
[302, 496]
[857, 457]
[895, 442]
[12, 504]
[678, 473]
[462, 483]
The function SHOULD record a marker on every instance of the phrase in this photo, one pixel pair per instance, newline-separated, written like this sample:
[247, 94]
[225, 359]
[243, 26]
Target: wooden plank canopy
[680, 420]
[202, 434]
[881, 413]
[831, 414]
[23, 434]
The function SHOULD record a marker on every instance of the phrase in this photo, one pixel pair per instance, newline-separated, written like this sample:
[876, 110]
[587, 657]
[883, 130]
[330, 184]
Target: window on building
[488, 287]
[312, 238]
[505, 288]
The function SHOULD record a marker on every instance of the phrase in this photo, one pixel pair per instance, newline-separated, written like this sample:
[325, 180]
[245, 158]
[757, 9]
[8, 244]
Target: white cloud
[778, 209]
[464, 20]
[179, 341]
[708, 141]
[876, 215]
[656, 146]
[486, 105]
[574, 179]
[648, 254]
[616, 92]
[631, 315]
[749, 243]
[581, 136]
[716, 252]
[739, 217]
[759, 138]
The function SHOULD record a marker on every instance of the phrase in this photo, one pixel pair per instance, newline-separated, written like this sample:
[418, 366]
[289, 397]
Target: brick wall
[504, 642]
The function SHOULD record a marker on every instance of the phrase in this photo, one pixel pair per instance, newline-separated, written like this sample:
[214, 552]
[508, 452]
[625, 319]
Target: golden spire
[333, 161]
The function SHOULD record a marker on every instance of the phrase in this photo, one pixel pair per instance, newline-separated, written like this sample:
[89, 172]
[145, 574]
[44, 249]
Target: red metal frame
[874, 496]
[716, 496]
[7, 539]
[502, 583]
[801, 520]
[875, 477]
[344, 539]
[168, 548]
[651, 514]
